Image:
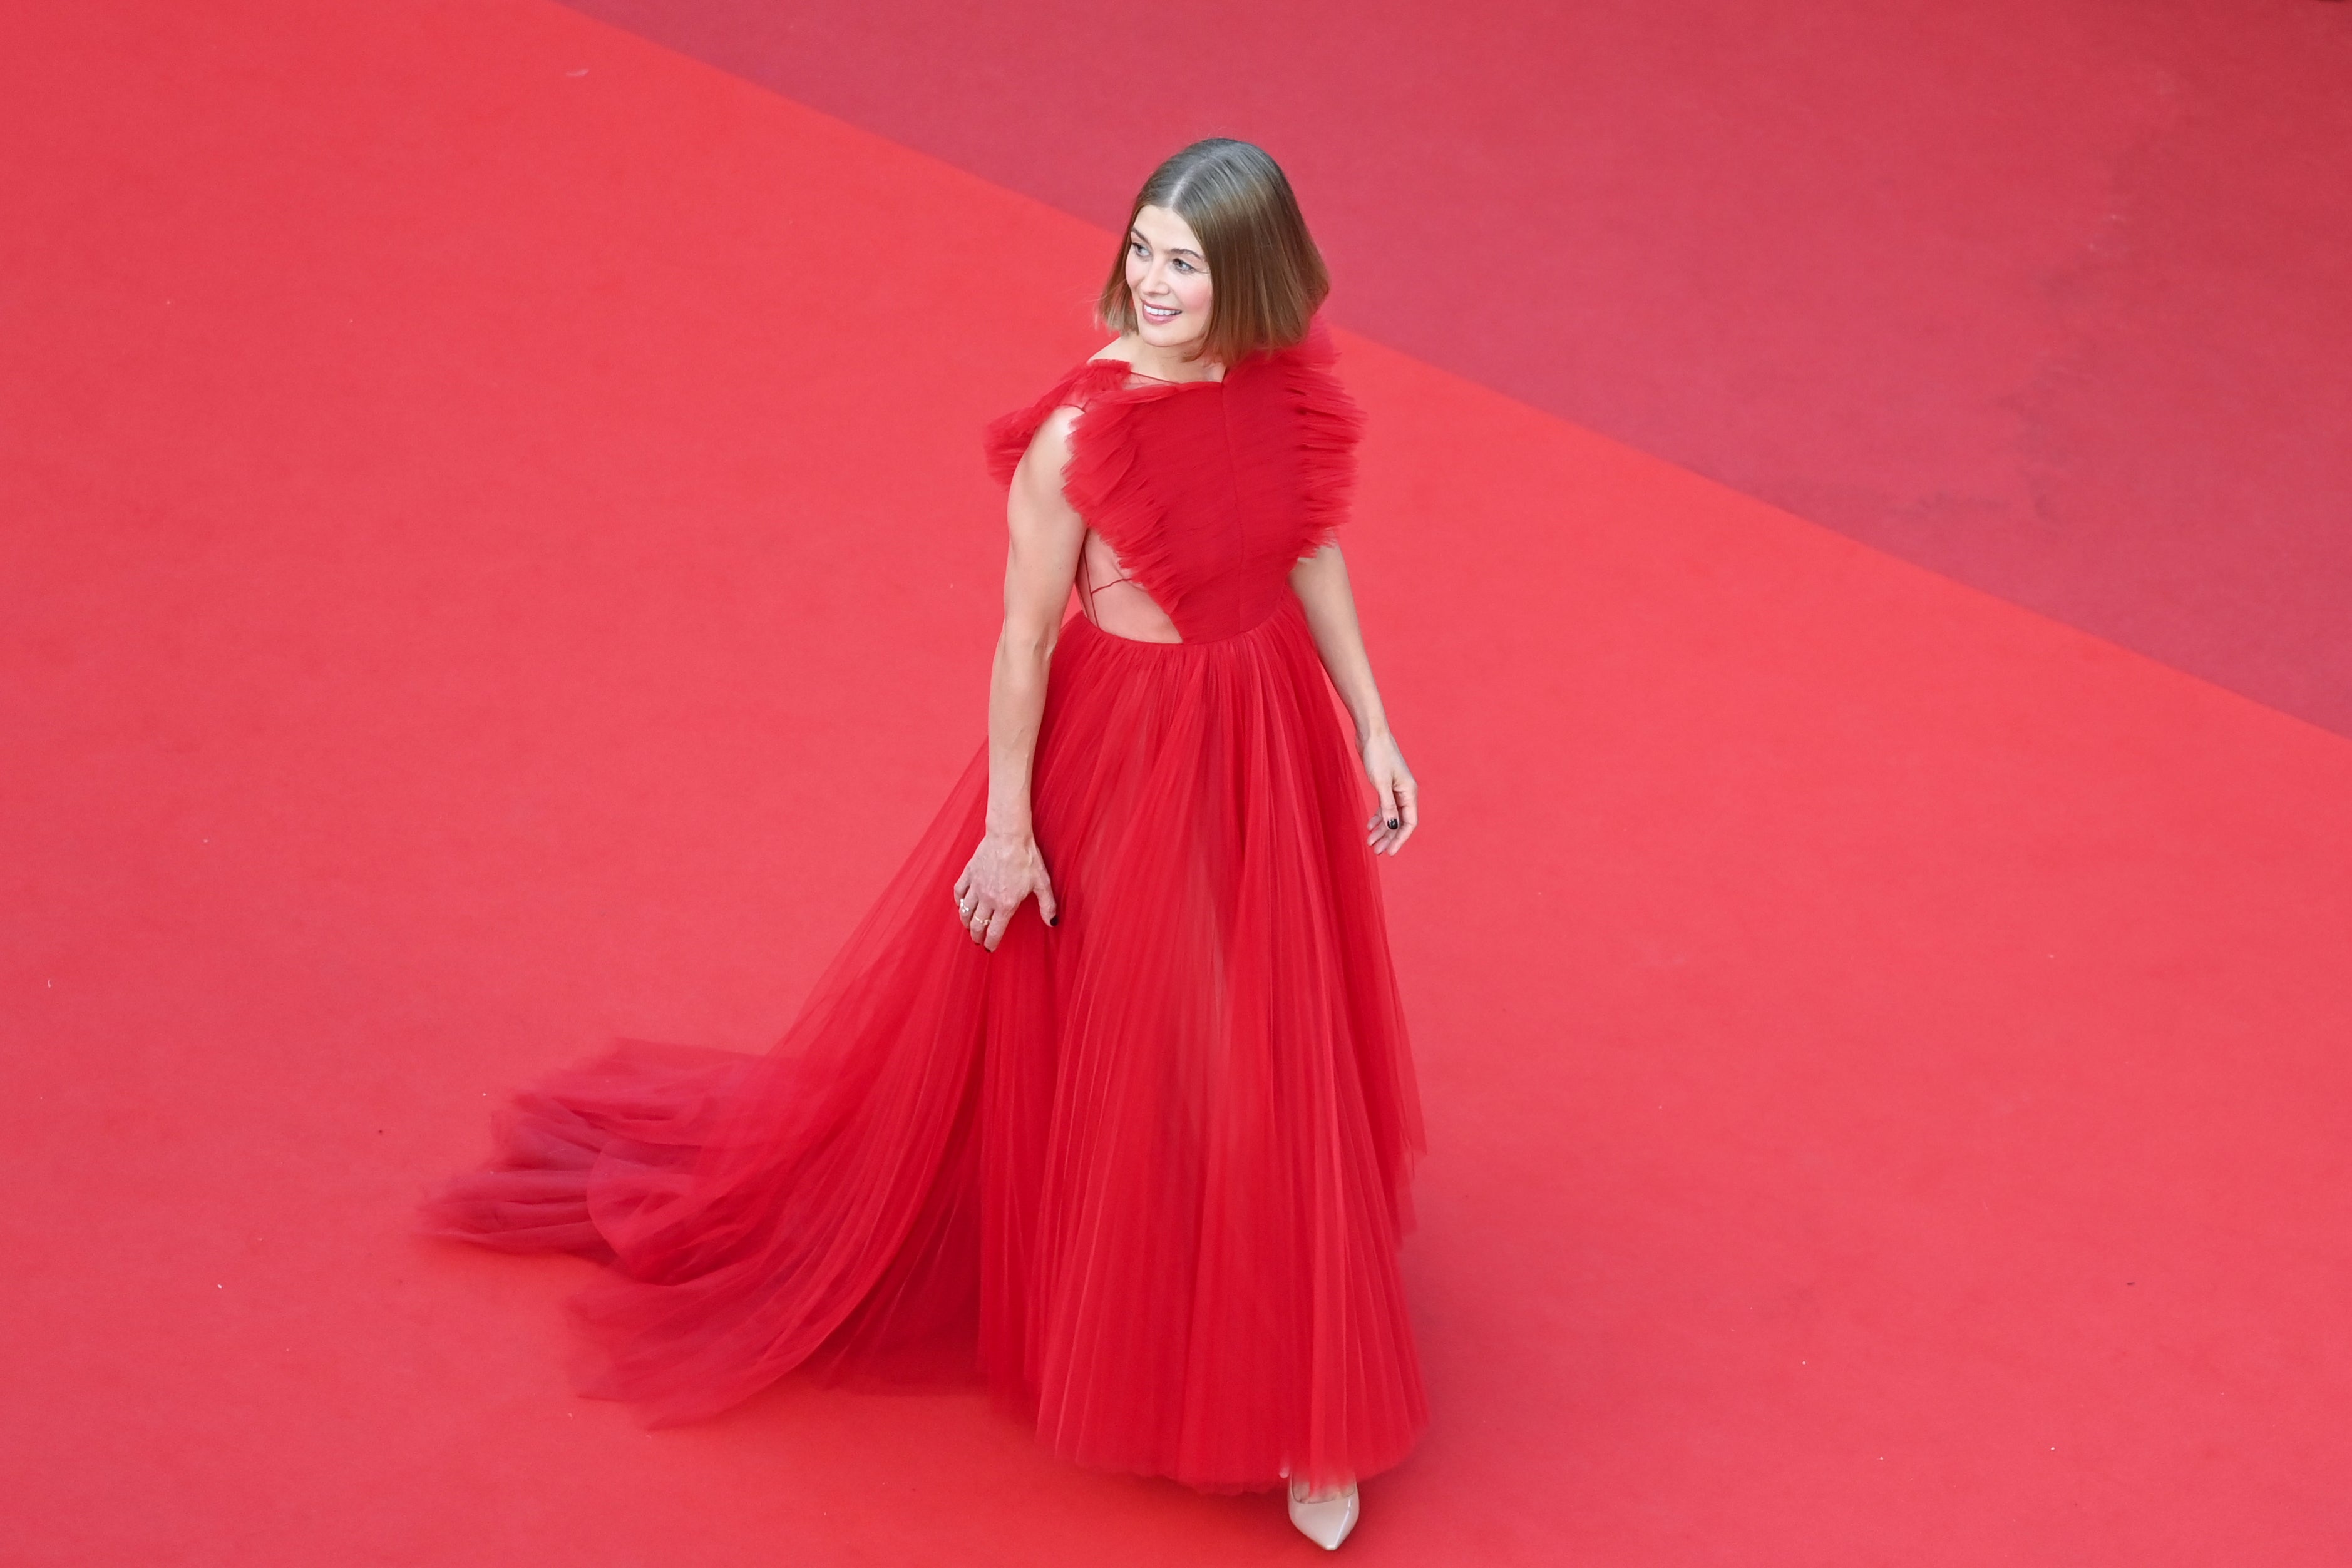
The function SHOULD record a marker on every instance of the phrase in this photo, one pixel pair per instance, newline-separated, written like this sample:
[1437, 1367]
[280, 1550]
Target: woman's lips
[1161, 313]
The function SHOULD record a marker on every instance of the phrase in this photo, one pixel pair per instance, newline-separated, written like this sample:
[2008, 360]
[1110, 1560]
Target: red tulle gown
[1144, 1171]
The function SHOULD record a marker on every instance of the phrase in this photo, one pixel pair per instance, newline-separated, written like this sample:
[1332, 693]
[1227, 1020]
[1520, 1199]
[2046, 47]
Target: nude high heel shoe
[1324, 1519]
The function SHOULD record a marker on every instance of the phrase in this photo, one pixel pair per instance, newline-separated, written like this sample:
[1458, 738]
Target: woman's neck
[1170, 364]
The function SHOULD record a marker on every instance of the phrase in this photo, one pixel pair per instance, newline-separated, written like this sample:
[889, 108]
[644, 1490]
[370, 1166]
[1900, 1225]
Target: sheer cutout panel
[1115, 602]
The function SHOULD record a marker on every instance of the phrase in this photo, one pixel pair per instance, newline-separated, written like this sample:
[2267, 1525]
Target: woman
[1114, 1109]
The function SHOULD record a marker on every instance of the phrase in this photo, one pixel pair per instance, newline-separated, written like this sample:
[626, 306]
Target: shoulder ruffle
[1104, 479]
[1108, 483]
[1008, 438]
[1330, 425]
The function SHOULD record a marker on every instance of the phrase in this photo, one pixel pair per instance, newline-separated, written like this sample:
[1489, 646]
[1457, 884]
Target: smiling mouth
[1160, 312]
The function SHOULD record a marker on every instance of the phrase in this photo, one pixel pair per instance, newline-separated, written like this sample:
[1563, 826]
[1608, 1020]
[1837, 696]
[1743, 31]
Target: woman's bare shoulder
[1118, 352]
[1049, 448]
[1037, 477]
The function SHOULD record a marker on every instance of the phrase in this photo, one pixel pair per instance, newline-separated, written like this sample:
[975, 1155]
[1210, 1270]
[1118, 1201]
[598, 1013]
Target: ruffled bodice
[1208, 491]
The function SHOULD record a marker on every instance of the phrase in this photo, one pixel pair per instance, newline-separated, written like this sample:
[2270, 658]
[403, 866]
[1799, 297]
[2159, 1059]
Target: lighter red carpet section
[498, 556]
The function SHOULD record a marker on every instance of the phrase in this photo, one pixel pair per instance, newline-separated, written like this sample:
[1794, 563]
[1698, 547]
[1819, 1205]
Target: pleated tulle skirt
[1144, 1172]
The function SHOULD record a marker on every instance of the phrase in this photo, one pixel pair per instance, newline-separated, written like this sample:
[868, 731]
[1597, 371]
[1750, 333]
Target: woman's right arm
[1041, 562]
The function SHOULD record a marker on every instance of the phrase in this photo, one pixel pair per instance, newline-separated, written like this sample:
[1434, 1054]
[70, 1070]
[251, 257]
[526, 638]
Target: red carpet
[458, 463]
[2054, 298]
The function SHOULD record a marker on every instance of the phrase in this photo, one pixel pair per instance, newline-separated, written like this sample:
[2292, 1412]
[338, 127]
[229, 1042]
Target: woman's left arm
[1321, 583]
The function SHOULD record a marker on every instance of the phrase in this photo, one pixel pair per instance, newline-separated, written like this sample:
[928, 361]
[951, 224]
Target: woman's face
[1168, 278]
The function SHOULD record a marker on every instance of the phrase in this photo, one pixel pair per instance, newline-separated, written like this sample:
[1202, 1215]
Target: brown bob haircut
[1267, 278]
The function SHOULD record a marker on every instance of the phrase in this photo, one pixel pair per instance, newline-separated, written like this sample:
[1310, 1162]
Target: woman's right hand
[1399, 796]
[1003, 871]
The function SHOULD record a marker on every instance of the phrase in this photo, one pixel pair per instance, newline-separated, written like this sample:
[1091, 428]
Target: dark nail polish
[1396, 821]
[1057, 920]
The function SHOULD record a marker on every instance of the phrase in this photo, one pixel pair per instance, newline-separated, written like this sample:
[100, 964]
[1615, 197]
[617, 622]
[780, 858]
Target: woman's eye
[1183, 266]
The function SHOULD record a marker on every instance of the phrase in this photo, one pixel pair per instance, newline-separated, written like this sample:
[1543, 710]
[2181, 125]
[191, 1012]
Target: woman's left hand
[1004, 872]
[1399, 798]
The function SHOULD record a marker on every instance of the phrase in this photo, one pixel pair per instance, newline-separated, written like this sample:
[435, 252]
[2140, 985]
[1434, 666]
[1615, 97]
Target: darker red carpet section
[494, 557]
[2054, 298]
